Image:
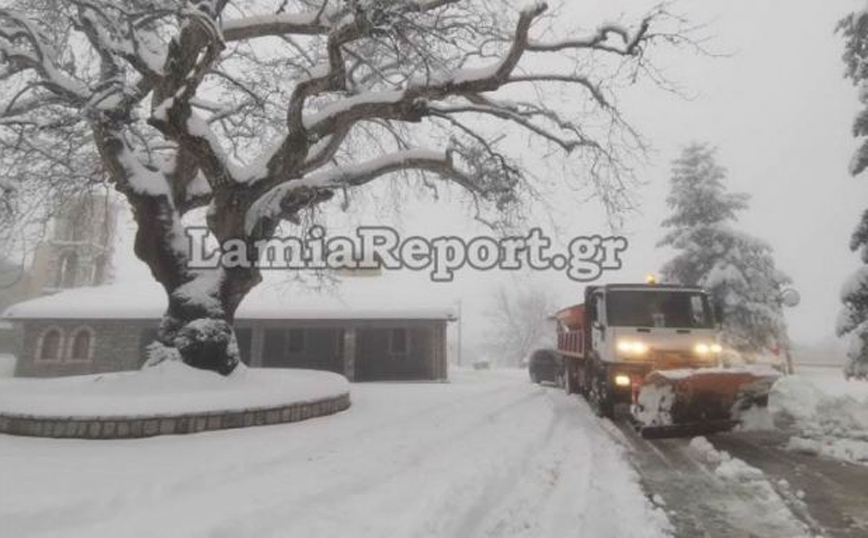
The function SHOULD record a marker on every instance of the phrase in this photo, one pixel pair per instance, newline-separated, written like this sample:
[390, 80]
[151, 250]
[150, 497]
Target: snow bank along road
[489, 455]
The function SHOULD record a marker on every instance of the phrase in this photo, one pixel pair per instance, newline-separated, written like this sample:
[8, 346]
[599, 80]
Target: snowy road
[835, 494]
[747, 484]
[488, 455]
[707, 496]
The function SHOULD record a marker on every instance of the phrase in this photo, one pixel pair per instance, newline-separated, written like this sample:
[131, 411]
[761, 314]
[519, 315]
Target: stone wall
[144, 426]
[116, 347]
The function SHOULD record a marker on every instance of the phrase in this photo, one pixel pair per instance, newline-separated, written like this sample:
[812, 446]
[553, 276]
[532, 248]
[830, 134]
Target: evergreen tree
[853, 321]
[737, 269]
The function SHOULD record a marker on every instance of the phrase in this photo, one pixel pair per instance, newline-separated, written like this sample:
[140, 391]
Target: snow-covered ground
[170, 388]
[829, 413]
[486, 455]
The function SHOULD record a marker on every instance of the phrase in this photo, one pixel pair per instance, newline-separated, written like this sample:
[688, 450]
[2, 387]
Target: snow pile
[702, 447]
[735, 469]
[756, 419]
[816, 410]
[167, 389]
[829, 414]
[655, 405]
[726, 467]
[843, 449]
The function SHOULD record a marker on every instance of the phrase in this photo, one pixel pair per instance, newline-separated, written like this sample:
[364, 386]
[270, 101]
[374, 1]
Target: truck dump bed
[571, 324]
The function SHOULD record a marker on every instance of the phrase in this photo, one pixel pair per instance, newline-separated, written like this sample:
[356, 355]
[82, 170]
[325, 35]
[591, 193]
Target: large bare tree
[518, 322]
[260, 110]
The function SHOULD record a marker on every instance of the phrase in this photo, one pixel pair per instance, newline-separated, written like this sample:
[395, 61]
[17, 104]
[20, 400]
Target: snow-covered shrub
[157, 353]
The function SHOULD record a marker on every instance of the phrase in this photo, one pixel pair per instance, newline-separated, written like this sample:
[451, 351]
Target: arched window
[50, 345]
[81, 345]
[66, 270]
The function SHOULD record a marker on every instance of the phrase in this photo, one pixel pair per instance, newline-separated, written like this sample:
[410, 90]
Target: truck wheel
[560, 380]
[598, 394]
[587, 376]
[582, 380]
[569, 380]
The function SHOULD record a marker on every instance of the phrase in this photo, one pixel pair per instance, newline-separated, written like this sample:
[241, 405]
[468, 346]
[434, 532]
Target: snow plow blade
[680, 403]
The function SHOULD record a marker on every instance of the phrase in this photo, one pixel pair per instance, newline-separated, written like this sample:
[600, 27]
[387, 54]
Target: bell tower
[78, 251]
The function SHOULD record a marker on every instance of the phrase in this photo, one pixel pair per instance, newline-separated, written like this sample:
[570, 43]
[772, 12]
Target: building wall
[377, 349]
[8, 340]
[377, 358]
[116, 346]
[372, 356]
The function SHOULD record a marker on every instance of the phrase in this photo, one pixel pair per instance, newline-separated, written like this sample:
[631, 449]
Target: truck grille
[666, 360]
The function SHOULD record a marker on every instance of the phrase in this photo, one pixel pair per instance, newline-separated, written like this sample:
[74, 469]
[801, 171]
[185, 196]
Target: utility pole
[789, 298]
[460, 322]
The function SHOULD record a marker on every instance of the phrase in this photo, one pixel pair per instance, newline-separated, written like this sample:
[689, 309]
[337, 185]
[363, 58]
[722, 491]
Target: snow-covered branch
[277, 24]
[593, 89]
[626, 43]
[274, 203]
[514, 116]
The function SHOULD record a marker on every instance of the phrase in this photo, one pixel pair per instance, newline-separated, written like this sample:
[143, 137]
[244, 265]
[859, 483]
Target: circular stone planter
[167, 400]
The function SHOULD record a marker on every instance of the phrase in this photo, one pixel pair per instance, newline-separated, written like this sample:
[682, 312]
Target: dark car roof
[541, 354]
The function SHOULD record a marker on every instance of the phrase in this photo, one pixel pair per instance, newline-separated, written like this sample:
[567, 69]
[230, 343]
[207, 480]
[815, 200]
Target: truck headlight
[707, 349]
[632, 347]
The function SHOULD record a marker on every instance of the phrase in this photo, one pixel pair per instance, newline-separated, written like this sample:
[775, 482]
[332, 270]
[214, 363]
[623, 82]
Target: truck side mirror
[600, 327]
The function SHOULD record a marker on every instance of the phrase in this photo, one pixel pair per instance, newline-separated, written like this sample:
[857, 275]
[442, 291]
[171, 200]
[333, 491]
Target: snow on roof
[148, 301]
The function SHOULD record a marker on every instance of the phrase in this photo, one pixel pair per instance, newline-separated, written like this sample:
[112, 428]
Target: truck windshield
[653, 308]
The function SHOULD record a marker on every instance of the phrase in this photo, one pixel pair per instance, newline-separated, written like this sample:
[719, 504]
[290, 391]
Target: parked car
[546, 365]
[483, 364]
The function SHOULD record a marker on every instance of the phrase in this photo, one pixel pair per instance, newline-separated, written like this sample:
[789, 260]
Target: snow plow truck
[654, 351]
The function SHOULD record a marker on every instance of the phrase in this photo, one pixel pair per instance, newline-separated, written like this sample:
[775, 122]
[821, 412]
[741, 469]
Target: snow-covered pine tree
[853, 320]
[738, 269]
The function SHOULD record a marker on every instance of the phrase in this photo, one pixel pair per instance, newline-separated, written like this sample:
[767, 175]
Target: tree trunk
[198, 323]
[197, 326]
